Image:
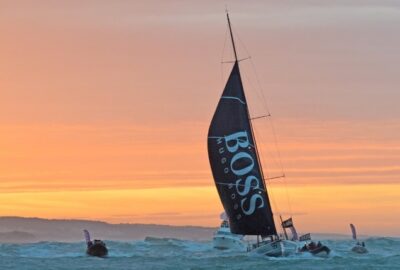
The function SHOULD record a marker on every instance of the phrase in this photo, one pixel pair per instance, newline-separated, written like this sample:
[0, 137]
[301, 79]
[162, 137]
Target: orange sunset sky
[105, 107]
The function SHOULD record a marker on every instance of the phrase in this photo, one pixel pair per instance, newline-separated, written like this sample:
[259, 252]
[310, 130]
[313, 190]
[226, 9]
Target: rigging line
[237, 184]
[255, 73]
[278, 160]
[263, 160]
[275, 177]
[265, 153]
[251, 186]
[266, 172]
[267, 109]
[271, 123]
[247, 110]
[272, 127]
[258, 92]
[259, 117]
[222, 56]
[228, 62]
[250, 58]
[239, 60]
[275, 158]
[257, 152]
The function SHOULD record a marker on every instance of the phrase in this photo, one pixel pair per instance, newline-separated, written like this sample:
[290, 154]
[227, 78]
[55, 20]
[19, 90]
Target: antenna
[230, 31]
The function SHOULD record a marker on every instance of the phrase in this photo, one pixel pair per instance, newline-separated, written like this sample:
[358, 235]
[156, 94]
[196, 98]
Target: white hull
[224, 239]
[277, 248]
[228, 242]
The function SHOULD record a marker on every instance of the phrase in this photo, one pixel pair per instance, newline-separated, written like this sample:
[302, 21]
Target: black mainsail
[235, 162]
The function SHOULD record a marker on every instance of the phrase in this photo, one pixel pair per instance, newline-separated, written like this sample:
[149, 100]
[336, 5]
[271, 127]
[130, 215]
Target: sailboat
[96, 247]
[360, 246]
[237, 169]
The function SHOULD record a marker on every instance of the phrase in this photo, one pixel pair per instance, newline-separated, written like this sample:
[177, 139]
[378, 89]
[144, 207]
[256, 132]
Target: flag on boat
[353, 231]
[305, 237]
[295, 236]
[287, 223]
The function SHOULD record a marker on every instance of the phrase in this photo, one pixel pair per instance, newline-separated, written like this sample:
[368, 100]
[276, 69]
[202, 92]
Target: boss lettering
[241, 162]
[254, 200]
[236, 140]
[242, 158]
[250, 182]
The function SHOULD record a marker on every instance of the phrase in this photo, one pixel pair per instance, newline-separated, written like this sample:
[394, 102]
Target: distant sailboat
[96, 247]
[237, 170]
[360, 246]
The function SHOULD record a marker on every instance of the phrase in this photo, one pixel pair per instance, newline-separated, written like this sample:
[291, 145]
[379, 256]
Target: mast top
[233, 41]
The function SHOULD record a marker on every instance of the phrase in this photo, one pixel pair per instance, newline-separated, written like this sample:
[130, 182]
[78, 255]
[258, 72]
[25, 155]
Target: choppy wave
[169, 253]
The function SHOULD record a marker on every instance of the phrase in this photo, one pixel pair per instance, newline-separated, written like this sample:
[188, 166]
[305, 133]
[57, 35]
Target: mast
[233, 41]
[247, 111]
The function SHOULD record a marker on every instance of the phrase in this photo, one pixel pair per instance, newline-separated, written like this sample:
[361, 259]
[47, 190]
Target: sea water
[156, 253]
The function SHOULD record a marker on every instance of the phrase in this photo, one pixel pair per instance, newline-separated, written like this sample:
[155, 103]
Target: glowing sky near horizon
[110, 102]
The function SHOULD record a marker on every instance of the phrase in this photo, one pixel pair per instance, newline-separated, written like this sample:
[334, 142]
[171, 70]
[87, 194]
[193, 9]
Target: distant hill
[19, 229]
[16, 237]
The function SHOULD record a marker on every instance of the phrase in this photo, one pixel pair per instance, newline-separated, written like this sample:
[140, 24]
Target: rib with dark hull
[95, 248]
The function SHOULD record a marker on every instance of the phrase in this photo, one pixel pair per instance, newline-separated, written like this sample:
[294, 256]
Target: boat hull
[359, 249]
[278, 248]
[97, 250]
[322, 251]
[228, 242]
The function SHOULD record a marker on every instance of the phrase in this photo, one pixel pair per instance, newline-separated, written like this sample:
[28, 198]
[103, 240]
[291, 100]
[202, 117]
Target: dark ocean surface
[165, 253]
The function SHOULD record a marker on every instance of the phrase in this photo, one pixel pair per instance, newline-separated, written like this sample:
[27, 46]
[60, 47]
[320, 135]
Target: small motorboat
[96, 247]
[359, 248]
[316, 249]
